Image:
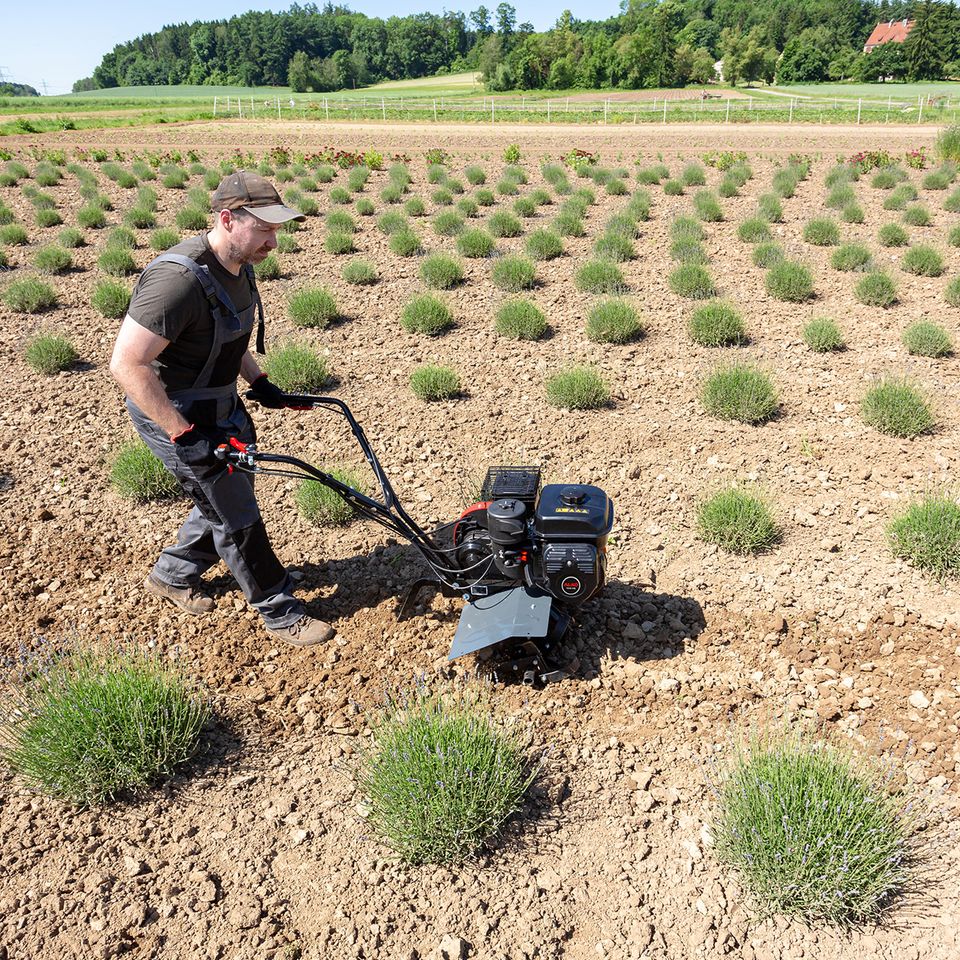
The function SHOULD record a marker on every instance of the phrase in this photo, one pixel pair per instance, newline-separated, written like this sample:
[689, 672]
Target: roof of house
[895, 31]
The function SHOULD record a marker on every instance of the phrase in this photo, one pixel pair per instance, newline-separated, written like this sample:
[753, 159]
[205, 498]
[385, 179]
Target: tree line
[10, 89]
[649, 43]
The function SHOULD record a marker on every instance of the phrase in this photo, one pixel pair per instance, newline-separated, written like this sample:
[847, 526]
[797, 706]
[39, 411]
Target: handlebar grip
[232, 448]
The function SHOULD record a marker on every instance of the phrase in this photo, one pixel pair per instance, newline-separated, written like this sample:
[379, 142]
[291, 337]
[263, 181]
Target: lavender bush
[813, 831]
[442, 777]
[89, 725]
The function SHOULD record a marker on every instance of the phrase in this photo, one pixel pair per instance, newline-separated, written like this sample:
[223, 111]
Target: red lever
[238, 445]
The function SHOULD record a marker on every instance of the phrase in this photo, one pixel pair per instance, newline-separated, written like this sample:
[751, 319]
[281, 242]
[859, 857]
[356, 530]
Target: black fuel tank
[574, 512]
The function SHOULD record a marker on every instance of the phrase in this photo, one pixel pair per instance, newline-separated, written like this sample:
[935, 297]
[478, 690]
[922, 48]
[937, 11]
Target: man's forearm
[249, 368]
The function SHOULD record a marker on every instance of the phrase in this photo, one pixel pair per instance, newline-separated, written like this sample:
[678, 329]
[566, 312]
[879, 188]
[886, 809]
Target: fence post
[278, 108]
[493, 115]
[859, 108]
[252, 114]
[728, 111]
[920, 111]
[239, 108]
[434, 110]
[214, 106]
[664, 109]
[791, 111]
[326, 108]
[548, 111]
[605, 105]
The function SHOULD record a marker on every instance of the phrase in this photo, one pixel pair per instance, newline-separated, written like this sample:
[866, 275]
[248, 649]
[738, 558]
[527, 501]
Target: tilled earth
[260, 848]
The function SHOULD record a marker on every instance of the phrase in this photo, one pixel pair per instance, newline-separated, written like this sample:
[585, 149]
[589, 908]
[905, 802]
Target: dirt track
[537, 139]
[263, 846]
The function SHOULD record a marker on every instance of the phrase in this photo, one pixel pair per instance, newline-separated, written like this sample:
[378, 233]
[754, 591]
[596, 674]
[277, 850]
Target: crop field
[747, 340]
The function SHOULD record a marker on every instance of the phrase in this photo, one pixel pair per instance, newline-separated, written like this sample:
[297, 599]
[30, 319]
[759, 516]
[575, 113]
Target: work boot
[192, 600]
[304, 632]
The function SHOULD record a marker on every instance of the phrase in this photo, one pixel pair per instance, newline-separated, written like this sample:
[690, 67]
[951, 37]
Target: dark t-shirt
[169, 301]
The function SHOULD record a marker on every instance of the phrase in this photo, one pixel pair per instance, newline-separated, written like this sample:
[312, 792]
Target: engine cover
[574, 572]
[571, 525]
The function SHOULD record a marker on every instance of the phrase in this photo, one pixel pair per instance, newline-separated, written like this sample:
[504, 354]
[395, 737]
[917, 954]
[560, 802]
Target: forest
[649, 43]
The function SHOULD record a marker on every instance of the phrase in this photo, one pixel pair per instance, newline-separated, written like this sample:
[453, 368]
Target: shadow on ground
[625, 621]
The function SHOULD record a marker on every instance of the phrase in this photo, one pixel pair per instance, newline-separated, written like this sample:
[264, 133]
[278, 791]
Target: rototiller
[522, 558]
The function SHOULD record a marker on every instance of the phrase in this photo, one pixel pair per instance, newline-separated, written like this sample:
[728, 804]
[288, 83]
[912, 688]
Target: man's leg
[228, 504]
[226, 514]
[184, 563]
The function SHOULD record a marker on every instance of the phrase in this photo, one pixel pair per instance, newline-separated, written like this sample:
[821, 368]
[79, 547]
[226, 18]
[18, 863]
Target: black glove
[197, 448]
[268, 394]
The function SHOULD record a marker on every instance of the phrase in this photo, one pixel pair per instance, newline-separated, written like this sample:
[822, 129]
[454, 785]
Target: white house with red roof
[893, 32]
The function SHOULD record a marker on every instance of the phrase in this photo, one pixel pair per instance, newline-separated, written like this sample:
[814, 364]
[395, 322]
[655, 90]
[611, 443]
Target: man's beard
[236, 253]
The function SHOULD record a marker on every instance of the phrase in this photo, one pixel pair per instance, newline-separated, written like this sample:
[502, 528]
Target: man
[177, 357]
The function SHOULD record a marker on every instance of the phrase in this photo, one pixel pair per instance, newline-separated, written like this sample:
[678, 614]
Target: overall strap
[217, 299]
[213, 291]
[248, 270]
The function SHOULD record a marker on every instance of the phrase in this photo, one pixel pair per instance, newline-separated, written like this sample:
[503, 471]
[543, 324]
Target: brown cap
[248, 191]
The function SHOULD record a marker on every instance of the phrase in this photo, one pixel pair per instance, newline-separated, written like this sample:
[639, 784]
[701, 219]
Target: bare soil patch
[260, 848]
[633, 96]
[676, 139]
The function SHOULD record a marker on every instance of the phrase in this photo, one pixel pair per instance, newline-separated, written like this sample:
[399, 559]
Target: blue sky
[59, 42]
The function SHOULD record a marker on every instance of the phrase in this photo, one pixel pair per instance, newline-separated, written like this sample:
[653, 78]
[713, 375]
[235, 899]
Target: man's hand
[268, 394]
[197, 447]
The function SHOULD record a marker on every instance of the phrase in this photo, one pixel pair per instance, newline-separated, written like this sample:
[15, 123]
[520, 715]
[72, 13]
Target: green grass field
[451, 85]
[457, 84]
[466, 84]
[461, 97]
[868, 91]
[181, 92]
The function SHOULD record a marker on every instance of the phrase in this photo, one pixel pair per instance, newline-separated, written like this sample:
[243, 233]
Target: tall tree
[804, 59]
[923, 48]
[506, 20]
[298, 72]
[731, 51]
[480, 18]
[702, 69]
[666, 21]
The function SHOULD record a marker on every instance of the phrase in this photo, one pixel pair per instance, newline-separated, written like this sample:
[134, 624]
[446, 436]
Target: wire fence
[707, 109]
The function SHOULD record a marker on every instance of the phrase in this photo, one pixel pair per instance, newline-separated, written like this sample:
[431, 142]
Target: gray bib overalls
[225, 522]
